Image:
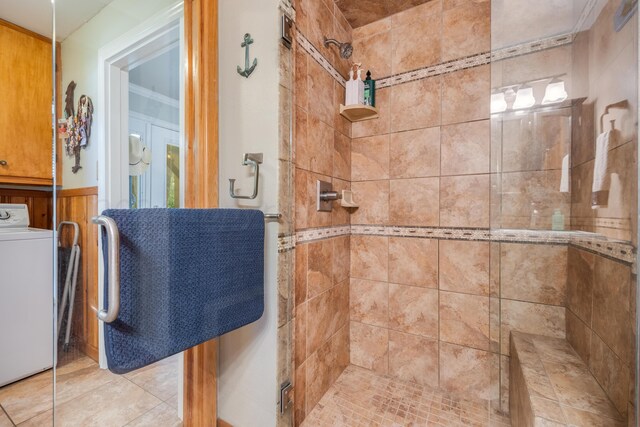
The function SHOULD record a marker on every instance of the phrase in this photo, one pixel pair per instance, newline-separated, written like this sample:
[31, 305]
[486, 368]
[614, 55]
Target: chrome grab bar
[250, 159]
[113, 265]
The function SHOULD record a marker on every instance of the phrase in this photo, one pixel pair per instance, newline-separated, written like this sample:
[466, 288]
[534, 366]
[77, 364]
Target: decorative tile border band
[618, 250]
[312, 234]
[474, 61]
[445, 67]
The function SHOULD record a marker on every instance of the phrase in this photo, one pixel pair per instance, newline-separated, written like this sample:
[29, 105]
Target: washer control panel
[14, 216]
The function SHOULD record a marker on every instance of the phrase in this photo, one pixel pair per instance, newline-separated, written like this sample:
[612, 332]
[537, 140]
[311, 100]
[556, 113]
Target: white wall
[249, 123]
[80, 64]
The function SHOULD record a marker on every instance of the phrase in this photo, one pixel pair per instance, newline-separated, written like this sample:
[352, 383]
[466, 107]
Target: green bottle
[369, 90]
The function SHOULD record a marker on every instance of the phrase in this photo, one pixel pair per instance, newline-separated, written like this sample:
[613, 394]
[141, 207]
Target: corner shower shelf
[358, 112]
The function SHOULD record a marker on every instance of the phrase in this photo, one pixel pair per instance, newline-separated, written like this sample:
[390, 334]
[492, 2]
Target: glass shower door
[564, 202]
[127, 120]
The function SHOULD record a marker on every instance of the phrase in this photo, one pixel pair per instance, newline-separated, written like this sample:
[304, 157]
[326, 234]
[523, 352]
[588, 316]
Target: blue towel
[186, 276]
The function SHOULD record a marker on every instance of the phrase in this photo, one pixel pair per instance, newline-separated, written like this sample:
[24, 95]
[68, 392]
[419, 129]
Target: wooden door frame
[201, 183]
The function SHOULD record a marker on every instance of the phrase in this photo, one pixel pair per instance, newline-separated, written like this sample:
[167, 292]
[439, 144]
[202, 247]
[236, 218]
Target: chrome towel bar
[113, 267]
[110, 314]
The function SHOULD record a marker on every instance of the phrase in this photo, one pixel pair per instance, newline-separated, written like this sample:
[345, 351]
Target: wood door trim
[201, 183]
[74, 192]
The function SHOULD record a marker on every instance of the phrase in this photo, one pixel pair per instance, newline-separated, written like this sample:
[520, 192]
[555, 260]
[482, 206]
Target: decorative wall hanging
[248, 69]
[75, 128]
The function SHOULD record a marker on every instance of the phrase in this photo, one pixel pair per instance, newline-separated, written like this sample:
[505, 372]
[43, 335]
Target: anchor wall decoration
[248, 69]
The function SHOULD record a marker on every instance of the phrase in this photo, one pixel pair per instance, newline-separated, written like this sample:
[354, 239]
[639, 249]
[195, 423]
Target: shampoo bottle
[360, 88]
[369, 90]
[349, 90]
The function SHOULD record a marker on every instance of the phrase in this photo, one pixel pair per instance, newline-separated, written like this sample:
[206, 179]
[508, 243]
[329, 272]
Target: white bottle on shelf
[359, 88]
[350, 93]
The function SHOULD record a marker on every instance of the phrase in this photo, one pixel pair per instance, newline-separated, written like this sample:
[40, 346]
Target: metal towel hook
[249, 159]
[113, 266]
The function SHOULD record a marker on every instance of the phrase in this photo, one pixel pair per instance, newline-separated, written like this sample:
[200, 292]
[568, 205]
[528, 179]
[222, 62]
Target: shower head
[345, 48]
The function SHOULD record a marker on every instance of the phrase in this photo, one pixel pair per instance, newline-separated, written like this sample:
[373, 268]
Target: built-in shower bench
[550, 385]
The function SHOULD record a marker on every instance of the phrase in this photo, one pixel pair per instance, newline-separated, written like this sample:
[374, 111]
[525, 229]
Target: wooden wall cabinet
[26, 88]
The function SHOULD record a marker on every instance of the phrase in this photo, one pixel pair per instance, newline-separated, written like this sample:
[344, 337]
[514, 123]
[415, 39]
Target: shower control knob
[4, 215]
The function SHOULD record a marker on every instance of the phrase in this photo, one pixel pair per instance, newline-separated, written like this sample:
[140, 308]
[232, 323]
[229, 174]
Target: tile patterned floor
[90, 396]
[363, 398]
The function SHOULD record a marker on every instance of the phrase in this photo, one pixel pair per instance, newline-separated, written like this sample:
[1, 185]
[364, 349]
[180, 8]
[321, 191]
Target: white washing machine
[26, 296]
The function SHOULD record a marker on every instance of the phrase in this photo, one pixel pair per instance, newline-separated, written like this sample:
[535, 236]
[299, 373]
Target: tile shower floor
[360, 397]
[90, 396]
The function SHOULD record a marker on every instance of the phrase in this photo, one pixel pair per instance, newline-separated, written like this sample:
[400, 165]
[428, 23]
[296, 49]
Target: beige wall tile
[299, 393]
[326, 313]
[610, 372]
[301, 143]
[369, 347]
[320, 93]
[494, 325]
[413, 261]
[379, 26]
[466, 370]
[414, 310]
[369, 302]
[373, 199]
[341, 258]
[374, 52]
[320, 273]
[583, 133]
[524, 192]
[464, 201]
[588, 418]
[464, 319]
[370, 257]
[579, 336]
[320, 146]
[466, 29]
[300, 335]
[341, 156]
[416, 104]
[531, 318]
[370, 158]
[464, 266]
[301, 88]
[414, 201]
[382, 124]
[314, 18]
[580, 265]
[325, 366]
[300, 281]
[465, 148]
[413, 358]
[416, 45]
[534, 273]
[465, 95]
[415, 154]
[611, 305]
[302, 198]
[536, 141]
